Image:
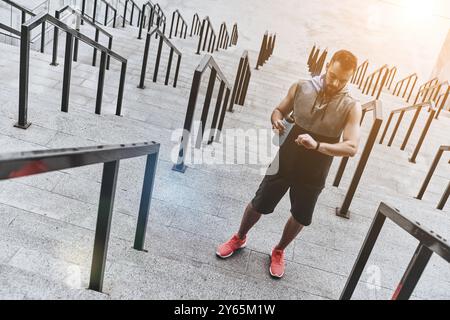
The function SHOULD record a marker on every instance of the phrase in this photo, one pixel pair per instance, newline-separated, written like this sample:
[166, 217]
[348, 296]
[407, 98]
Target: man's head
[340, 70]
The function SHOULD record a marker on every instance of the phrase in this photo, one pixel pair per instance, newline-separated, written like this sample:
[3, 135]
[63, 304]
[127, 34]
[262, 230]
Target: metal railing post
[422, 136]
[400, 118]
[144, 62]
[67, 73]
[103, 227]
[125, 13]
[146, 198]
[94, 57]
[222, 115]
[202, 30]
[158, 59]
[180, 165]
[55, 43]
[24, 78]
[363, 256]
[413, 273]
[169, 67]
[430, 173]
[206, 105]
[108, 61]
[177, 71]
[444, 198]
[123, 72]
[343, 211]
[216, 112]
[101, 83]
[411, 128]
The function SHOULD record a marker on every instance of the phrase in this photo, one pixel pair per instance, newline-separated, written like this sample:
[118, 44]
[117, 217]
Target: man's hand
[306, 141]
[279, 127]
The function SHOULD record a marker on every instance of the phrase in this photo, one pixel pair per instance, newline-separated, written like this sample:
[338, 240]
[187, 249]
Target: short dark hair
[347, 60]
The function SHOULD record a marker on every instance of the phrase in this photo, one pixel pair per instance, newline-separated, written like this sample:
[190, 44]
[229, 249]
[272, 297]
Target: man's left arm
[348, 147]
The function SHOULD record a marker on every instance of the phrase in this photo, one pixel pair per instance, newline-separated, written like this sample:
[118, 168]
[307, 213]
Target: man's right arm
[283, 110]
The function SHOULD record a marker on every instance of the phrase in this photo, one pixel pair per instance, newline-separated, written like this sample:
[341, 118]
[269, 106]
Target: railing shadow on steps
[402, 111]
[27, 27]
[24, 13]
[375, 107]
[360, 74]
[80, 18]
[219, 112]
[184, 26]
[267, 48]
[429, 243]
[378, 74]
[399, 86]
[23, 164]
[173, 49]
[241, 83]
[148, 21]
[134, 8]
[430, 173]
[205, 29]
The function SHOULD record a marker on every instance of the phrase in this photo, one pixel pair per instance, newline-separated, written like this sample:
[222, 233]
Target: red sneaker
[277, 264]
[227, 249]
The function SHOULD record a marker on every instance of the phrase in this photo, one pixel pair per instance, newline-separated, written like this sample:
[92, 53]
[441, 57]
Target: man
[323, 111]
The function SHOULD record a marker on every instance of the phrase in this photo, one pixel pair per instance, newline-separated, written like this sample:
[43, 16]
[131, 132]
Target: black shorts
[274, 187]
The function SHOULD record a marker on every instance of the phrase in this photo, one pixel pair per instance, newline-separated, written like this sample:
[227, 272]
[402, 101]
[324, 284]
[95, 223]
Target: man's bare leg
[250, 218]
[291, 231]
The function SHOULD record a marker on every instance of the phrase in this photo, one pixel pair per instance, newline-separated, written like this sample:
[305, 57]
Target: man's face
[336, 78]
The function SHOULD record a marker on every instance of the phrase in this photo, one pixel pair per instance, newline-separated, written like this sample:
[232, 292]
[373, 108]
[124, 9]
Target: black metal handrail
[9, 29]
[266, 51]
[418, 108]
[155, 10]
[241, 82]
[184, 25]
[379, 75]
[442, 101]
[430, 92]
[134, 7]
[219, 112]
[24, 12]
[430, 243]
[27, 27]
[390, 78]
[224, 37]
[95, 10]
[23, 164]
[423, 88]
[206, 27]
[88, 20]
[399, 86]
[196, 25]
[173, 49]
[430, 173]
[375, 107]
[360, 74]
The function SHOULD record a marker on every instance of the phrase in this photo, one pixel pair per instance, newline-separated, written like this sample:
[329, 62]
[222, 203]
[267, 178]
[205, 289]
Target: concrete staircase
[47, 222]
